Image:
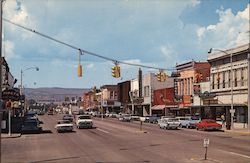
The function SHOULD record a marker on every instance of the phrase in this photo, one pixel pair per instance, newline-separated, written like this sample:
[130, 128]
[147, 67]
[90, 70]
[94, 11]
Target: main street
[115, 141]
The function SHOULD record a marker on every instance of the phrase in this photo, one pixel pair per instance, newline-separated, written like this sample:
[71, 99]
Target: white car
[169, 123]
[84, 121]
[64, 126]
[188, 122]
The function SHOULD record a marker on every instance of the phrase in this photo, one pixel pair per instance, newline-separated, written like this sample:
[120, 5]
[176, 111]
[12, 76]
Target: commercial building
[226, 84]
[191, 74]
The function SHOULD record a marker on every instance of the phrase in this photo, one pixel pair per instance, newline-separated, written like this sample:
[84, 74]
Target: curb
[12, 136]
[238, 132]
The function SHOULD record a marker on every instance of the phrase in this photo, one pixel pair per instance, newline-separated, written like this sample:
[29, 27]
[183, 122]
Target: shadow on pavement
[41, 132]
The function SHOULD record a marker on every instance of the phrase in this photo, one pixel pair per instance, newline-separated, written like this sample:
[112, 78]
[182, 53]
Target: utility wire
[83, 51]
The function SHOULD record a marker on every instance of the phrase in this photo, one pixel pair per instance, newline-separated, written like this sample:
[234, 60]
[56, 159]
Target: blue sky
[157, 33]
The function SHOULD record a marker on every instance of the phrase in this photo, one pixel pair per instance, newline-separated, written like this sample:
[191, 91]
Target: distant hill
[56, 95]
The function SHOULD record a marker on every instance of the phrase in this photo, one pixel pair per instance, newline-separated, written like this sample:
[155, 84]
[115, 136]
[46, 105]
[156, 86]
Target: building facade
[149, 85]
[191, 74]
[123, 95]
[229, 77]
[109, 98]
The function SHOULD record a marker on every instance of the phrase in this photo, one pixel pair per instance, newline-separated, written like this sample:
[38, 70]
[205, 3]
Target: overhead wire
[83, 51]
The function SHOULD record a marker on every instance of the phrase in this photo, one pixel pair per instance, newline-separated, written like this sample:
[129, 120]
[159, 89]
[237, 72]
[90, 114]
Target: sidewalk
[239, 128]
[14, 135]
[243, 131]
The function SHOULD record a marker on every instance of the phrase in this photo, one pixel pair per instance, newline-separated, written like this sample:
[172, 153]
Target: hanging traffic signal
[158, 76]
[161, 76]
[79, 70]
[197, 78]
[79, 67]
[116, 71]
[201, 77]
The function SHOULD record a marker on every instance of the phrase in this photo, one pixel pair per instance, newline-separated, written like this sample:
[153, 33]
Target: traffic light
[158, 76]
[116, 71]
[161, 76]
[201, 77]
[197, 78]
[79, 70]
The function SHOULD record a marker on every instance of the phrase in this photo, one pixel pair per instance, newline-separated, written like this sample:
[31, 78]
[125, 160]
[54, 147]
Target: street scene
[111, 140]
[128, 81]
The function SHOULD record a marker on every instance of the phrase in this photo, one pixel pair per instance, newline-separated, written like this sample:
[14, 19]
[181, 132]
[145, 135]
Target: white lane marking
[239, 154]
[102, 130]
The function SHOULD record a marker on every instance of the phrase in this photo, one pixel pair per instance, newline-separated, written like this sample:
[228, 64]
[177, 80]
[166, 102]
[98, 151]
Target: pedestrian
[223, 119]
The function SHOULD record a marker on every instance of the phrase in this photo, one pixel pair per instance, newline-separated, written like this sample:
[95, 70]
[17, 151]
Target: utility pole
[248, 125]
[1, 62]
[232, 111]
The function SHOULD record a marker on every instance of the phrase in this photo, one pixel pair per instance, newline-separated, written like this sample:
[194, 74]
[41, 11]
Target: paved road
[115, 141]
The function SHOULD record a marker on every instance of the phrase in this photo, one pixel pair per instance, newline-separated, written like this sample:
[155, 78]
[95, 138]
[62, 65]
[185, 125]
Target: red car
[208, 124]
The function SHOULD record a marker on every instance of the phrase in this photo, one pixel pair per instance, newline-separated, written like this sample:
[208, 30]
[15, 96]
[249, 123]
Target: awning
[158, 107]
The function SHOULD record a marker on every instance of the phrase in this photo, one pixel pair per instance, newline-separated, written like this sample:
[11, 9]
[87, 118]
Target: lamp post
[232, 110]
[22, 71]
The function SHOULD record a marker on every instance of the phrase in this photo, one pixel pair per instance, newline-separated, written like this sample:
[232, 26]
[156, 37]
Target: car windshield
[30, 123]
[173, 120]
[84, 117]
[210, 121]
[195, 118]
[63, 122]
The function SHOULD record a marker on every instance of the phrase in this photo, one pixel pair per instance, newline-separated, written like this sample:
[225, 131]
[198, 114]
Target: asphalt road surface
[114, 141]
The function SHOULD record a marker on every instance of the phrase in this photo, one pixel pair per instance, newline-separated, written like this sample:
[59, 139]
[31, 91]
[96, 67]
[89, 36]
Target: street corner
[7, 136]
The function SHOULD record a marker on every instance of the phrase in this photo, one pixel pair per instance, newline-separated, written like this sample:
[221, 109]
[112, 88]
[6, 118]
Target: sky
[159, 33]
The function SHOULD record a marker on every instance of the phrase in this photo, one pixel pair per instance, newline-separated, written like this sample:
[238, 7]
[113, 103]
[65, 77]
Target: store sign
[11, 94]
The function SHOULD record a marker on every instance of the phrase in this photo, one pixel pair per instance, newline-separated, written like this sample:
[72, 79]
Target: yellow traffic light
[161, 76]
[116, 72]
[79, 70]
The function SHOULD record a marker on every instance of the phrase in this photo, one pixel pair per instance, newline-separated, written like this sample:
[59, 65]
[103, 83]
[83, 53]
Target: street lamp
[232, 111]
[22, 71]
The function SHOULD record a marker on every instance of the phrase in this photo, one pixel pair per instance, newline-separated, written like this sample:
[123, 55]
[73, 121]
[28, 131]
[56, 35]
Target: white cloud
[195, 2]
[9, 49]
[230, 31]
[17, 12]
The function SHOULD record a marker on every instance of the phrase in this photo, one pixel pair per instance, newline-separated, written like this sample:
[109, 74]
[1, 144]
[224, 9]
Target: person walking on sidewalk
[223, 120]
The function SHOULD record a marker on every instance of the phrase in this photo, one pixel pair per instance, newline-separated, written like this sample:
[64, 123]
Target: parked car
[64, 126]
[68, 117]
[208, 124]
[153, 119]
[84, 121]
[40, 112]
[194, 120]
[112, 115]
[169, 123]
[135, 117]
[31, 126]
[188, 122]
[126, 118]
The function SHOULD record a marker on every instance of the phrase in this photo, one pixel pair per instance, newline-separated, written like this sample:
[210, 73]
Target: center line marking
[102, 130]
